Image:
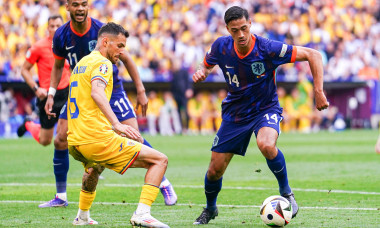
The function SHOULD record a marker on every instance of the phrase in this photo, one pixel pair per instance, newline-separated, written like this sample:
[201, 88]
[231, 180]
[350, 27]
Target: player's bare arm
[55, 78]
[315, 61]
[100, 98]
[142, 99]
[41, 93]
[202, 73]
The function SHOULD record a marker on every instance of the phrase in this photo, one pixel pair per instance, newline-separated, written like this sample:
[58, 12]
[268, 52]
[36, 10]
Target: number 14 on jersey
[234, 79]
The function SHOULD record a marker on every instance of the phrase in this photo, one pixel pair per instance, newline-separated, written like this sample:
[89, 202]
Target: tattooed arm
[100, 98]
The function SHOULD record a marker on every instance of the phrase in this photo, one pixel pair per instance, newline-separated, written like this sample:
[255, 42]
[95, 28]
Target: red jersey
[42, 54]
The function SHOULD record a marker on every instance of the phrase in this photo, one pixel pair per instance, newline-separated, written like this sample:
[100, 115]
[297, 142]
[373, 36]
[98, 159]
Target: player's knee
[45, 142]
[163, 160]
[214, 174]
[60, 142]
[266, 146]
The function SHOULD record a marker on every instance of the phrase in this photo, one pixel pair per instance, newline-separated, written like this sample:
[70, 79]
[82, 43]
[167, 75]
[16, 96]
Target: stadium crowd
[346, 32]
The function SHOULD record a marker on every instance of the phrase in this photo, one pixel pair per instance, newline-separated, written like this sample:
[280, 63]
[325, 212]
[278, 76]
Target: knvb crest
[92, 45]
[258, 69]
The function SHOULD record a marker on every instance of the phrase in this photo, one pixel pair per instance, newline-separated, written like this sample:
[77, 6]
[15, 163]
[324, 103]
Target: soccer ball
[276, 211]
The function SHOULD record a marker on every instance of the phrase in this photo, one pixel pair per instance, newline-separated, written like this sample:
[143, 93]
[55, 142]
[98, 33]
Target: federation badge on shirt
[92, 45]
[258, 69]
[103, 69]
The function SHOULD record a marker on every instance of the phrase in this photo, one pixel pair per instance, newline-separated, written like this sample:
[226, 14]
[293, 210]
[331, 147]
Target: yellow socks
[85, 199]
[148, 194]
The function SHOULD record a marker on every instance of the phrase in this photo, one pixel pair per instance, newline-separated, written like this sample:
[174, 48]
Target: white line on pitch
[201, 187]
[199, 205]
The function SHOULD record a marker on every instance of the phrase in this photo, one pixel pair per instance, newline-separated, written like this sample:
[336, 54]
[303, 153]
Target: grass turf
[319, 167]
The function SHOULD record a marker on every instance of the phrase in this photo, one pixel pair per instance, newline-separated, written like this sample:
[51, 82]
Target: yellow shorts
[116, 154]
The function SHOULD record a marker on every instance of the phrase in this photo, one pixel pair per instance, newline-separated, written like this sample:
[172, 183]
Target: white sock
[164, 183]
[62, 196]
[84, 215]
[142, 208]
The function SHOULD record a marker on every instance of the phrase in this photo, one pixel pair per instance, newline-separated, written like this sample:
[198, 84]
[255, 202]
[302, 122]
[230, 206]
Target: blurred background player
[93, 130]
[181, 88]
[74, 40]
[41, 53]
[248, 63]
[377, 146]
[169, 120]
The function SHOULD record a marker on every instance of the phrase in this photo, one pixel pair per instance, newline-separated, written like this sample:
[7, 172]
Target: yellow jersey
[86, 122]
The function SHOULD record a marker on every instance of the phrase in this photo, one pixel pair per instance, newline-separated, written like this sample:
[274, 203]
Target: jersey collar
[250, 50]
[81, 34]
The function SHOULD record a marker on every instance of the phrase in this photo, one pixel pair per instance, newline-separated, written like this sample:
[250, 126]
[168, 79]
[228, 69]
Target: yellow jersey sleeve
[102, 71]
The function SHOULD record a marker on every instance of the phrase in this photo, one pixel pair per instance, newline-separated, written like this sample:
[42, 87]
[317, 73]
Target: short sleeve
[57, 46]
[102, 71]
[211, 58]
[280, 52]
[32, 55]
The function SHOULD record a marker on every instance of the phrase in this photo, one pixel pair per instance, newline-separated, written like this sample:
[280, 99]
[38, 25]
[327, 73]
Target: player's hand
[142, 100]
[127, 131]
[199, 76]
[49, 107]
[321, 101]
[41, 93]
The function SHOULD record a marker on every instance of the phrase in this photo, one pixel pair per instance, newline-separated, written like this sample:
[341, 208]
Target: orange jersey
[42, 54]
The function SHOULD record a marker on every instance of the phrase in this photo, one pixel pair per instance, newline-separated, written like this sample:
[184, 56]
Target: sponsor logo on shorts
[131, 143]
[63, 109]
[216, 140]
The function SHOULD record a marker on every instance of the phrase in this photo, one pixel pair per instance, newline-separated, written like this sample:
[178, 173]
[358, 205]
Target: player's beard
[72, 16]
[111, 58]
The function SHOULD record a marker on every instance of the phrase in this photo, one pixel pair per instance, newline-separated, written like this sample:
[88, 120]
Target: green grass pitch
[335, 178]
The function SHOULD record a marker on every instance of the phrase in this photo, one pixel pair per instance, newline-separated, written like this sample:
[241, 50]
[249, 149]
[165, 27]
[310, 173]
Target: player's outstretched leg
[142, 216]
[61, 166]
[213, 185]
[87, 196]
[166, 187]
[212, 189]
[156, 164]
[29, 125]
[278, 168]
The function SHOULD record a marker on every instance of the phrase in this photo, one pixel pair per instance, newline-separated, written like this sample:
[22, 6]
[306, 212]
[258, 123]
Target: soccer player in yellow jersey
[98, 139]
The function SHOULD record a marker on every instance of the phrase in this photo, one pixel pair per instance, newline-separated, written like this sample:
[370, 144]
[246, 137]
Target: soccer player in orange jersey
[42, 55]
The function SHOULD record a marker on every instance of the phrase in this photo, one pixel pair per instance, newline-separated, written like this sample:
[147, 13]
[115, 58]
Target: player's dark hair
[53, 17]
[113, 29]
[234, 13]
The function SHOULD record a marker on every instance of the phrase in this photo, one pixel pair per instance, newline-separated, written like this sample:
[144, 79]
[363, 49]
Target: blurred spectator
[8, 106]
[181, 87]
[161, 30]
[299, 106]
[153, 112]
[217, 108]
[282, 99]
[169, 118]
[200, 114]
[169, 38]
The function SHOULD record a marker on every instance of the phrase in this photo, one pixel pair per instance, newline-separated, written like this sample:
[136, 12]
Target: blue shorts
[63, 113]
[234, 137]
[120, 106]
